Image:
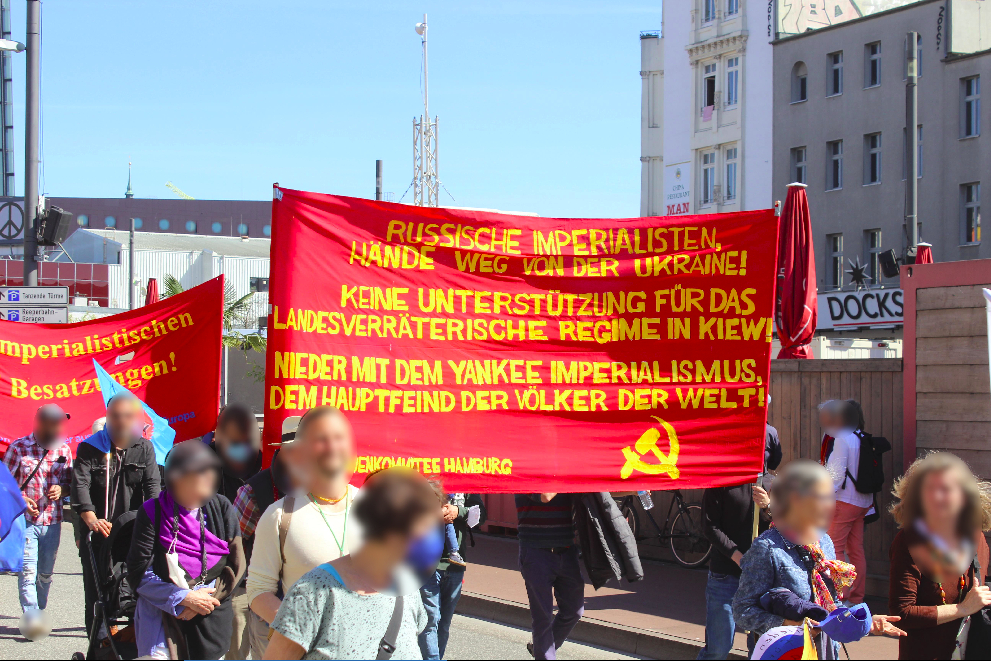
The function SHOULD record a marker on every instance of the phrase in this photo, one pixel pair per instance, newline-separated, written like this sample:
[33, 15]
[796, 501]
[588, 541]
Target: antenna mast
[425, 183]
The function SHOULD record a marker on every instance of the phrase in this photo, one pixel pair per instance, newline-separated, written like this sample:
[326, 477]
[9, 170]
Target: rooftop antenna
[425, 183]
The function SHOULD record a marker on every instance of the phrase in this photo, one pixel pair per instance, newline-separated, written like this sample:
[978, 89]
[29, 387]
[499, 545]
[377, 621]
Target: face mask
[425, 551]
[176, 573]
[239, 453]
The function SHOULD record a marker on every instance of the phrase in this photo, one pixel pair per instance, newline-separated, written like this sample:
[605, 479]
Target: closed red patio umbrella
[796, 309]
[152, 296]
[924, 254]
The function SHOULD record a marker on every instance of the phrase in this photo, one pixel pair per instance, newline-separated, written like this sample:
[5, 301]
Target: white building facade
[706, 109]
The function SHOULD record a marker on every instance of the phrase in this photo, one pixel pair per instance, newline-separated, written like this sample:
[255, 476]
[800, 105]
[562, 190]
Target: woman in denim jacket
[796, 555]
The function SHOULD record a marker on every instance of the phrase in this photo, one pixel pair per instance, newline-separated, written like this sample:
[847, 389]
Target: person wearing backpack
[312, 524]
[844, 423]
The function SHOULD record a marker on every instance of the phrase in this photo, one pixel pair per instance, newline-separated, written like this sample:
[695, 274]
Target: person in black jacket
[238, 444]
[185, 561]
[728, 516]
[133, 478]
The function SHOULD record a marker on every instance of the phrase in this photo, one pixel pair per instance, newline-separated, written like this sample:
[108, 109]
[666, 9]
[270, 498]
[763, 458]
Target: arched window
[82, 220]
[267, 230]
[242, 229]
[138, 223]
[163, 224]
[799, 82]
[191, 226]
[110, 221]
[216, 228]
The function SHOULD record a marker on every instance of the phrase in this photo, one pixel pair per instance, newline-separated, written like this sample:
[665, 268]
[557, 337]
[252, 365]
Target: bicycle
[683, 533]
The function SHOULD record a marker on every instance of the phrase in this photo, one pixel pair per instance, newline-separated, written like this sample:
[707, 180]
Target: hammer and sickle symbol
[648, 443]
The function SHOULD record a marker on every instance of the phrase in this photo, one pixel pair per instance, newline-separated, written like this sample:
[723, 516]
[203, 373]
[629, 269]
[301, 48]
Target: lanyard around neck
[344, 532]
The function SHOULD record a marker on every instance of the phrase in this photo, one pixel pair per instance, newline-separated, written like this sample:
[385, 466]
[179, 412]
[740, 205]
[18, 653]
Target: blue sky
[539, 100]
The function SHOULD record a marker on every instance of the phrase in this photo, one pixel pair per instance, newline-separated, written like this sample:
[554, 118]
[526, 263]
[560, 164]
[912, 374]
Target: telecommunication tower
[425, 182]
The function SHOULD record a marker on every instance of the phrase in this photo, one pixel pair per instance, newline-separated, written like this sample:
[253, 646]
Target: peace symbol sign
[11, 220]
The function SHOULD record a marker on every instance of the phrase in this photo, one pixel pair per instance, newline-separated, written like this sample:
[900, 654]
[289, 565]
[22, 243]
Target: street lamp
[11, 45]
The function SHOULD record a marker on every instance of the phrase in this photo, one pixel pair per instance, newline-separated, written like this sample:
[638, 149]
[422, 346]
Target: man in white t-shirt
[312, 525]
[843, 463]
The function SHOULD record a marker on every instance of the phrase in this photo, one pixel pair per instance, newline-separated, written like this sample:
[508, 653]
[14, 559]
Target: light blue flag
[156, 428]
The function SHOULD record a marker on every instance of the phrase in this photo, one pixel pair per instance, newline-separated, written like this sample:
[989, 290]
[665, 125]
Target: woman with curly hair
[939, 559]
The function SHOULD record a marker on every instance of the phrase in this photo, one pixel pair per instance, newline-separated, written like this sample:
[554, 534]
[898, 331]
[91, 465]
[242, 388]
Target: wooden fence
[797, 388]
[948, 392]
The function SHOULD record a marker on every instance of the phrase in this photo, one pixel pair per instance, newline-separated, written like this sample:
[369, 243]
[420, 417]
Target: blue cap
[848, 625]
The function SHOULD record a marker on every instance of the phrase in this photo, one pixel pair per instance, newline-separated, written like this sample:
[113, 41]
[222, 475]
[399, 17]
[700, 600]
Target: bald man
[133, 479]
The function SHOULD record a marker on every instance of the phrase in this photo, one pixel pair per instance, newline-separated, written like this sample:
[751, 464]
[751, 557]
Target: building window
[970, 123]
[242, 230]
[872, 158]
[216, 228]
[138, 223]
[834, 167]
[267, 230]
[872, 245]
[257, 284]
[970, 199]
[708, 11]
[872, 60]
[82, 220]
[799, 82]
[834, 264]
[732, 81]
[798, 165]
[835, 74]
[732, 7]
[163, 224]
[708, 90]
[731, 161]
[708, 177]
[110, 221]
[191, 226]
[905, 151]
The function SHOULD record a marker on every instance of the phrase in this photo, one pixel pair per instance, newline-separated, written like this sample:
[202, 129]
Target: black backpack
[870, 470]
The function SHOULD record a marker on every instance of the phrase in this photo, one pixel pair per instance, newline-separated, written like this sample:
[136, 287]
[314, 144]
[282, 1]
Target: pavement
[475, 638]
[662, 616]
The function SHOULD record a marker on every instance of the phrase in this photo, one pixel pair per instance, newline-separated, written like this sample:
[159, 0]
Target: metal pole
[912, 139]
[32, 113]
[378, 180]
[426, 107]
[130, 281]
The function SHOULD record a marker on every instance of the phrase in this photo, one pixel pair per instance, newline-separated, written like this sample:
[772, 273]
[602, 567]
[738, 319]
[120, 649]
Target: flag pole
[756, 510]
[106, 494]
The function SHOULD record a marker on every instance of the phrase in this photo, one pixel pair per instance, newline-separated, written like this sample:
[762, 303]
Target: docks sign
[873, 308]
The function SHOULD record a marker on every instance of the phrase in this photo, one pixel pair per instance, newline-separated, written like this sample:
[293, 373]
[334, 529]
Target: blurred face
[814, 509]
[827, 419]
[193, 490]
[47, 431]
[235, 446]
[400, 545]
[942, 497]
[288, 458]
[122, 419]
[327, 447]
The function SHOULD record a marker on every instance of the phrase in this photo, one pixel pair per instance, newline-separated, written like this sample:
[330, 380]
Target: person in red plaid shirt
[41, 463]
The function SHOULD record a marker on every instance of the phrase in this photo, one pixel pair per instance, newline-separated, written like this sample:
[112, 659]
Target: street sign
[21, 296]
[38, 315]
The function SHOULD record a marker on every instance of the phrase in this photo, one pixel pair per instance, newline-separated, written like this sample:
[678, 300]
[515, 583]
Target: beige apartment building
[839, 127]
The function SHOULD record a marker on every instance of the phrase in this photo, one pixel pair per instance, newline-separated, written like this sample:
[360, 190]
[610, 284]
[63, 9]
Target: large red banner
[522, 354]
[167, 353]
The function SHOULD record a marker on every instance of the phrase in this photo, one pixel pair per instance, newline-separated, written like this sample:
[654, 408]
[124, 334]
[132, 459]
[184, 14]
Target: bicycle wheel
[630, 514]
[688, 544]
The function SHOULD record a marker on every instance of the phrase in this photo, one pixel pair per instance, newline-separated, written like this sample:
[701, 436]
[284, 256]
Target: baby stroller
[113, 615]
